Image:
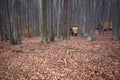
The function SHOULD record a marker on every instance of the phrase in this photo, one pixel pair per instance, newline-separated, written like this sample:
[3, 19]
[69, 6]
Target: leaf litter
[74, 59]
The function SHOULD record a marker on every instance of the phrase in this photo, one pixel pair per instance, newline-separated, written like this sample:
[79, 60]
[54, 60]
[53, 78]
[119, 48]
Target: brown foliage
[74, 59]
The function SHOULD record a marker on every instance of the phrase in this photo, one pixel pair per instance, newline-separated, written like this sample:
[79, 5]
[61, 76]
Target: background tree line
[52, 19]
[19, 18]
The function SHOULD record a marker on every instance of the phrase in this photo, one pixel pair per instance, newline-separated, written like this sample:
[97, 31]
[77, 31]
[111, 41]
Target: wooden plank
[75, 30]
[105, 25]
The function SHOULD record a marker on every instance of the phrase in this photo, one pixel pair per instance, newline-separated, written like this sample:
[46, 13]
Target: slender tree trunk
[50, 21]
[116, 32]
[80, 20]
[65, 19]
[58, 7]
[15, 23]
[4, 22]
[9, 23]
[44, 17]
[28, 18]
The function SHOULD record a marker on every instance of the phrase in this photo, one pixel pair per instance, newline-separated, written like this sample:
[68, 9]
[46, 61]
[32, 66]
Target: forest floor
[74, 59]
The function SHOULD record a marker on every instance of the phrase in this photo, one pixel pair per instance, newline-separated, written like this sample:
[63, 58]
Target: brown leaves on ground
[74, 59]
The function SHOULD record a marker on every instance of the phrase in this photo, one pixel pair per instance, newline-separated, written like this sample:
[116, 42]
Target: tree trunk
[44, 17]
[15, 23]
[116, 31]
[65, 19]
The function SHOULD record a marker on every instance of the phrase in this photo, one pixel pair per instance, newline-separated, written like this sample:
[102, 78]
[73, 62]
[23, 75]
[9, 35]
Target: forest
[59, 40]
